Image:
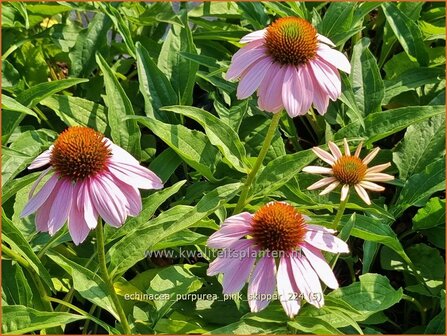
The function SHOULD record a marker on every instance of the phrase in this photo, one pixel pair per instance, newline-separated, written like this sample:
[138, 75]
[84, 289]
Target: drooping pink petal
[319, 228]
[378, 168]
[253, 77]
[290, 95]
[324, 39]
[233, 228]
[84, 201]
[328, 78]
[42, 160]
[317, 170]
[308, 282]
[253, 36]
[336, 152]
[107, 202]
[287, 289]
[262, 284]
[323, 155]
[36, 183]
[320, 97]
[132, 195]
[371, 186]
[229, 256]
[270, 91]
[326, 241]
[118, 153]
[344, 192]
[243, 59]
[77, 225]
[135, 175]
[378, 177]
[362, 193]
[320, 265]
[61, 206]
[37, 200]
[334, 58]
[43, 213]
[330, 187]
[305, 88]
[371, 156]
[322, 183]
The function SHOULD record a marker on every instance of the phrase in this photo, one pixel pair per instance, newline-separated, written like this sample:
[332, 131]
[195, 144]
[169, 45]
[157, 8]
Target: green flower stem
[340, 212]
[50, 242]
[106, 277]
[418, 306]
[251, 176]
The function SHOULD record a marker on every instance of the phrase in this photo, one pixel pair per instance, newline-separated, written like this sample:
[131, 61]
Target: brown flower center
[79, 152]
[278, 226]
[291, 40]
[349, 170]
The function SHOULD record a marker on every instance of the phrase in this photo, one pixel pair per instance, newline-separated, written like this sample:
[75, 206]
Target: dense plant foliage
[150, 76]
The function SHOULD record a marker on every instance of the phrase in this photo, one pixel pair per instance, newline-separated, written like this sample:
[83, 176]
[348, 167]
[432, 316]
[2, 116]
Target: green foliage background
[150, 77]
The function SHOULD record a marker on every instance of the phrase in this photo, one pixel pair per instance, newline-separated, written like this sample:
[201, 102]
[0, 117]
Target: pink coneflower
[349, 171]
[290, 65]
[91, 177]
[276, 231]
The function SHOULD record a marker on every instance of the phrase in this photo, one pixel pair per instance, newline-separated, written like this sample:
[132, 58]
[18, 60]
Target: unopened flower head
[276, 231]
[348, 171]
[91, 177]
[290, 65]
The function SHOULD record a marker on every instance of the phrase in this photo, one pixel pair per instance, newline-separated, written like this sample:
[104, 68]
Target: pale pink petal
[253, 77]
[132, 195]
[77, 225]
[326, 241]
[308, 283]
[378, 177]
[320, 97]
[306, 88]
[330, 187]
[262, 284]
[42, 160]
[346, 146]
[336, 152]
[378, 168]
[320, 265]
[84, 201]
[43, 213]
[319, 228]
[107, 202]
[371, 155]
[344, 192]
[256, 35]
[290, 95]
[288, 291]
[362, 193]
[61, 206]
[321, 183]
[36, 183]
[323, 155]
[270, 93]
[371, 186]
[232, 229]
[241, 62]
[118, 153]
[228, 257]
[327, 77]
[324, 39]
[135, 175]
[334, 58]
[317, 170]
[358, 150]
[35, 202]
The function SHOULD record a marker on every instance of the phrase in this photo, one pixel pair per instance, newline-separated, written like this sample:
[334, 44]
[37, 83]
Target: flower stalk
[340, 212]
[107, 279]
[251, 176]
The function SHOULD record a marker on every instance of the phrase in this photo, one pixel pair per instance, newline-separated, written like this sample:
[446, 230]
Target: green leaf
[88, 284]
[192, 146]
[10, 104]
[313, 325]
[437, 325]
[18, 243]
[17, 320]
[431, 215]
[220, 135]
[407, 32]
[154, 86]
[349, 99]
[125, 133]
[16, 290]
[180, 71]
[279, 171]
[254, 12]
[78, 111]
[337, 23]
[420, 187]
[410, 80]
[88, 43]
[373, 293]
[165, 164]
[423, 143]
[428, 261]
[379, 125]
[129, 250]
[367, 83]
